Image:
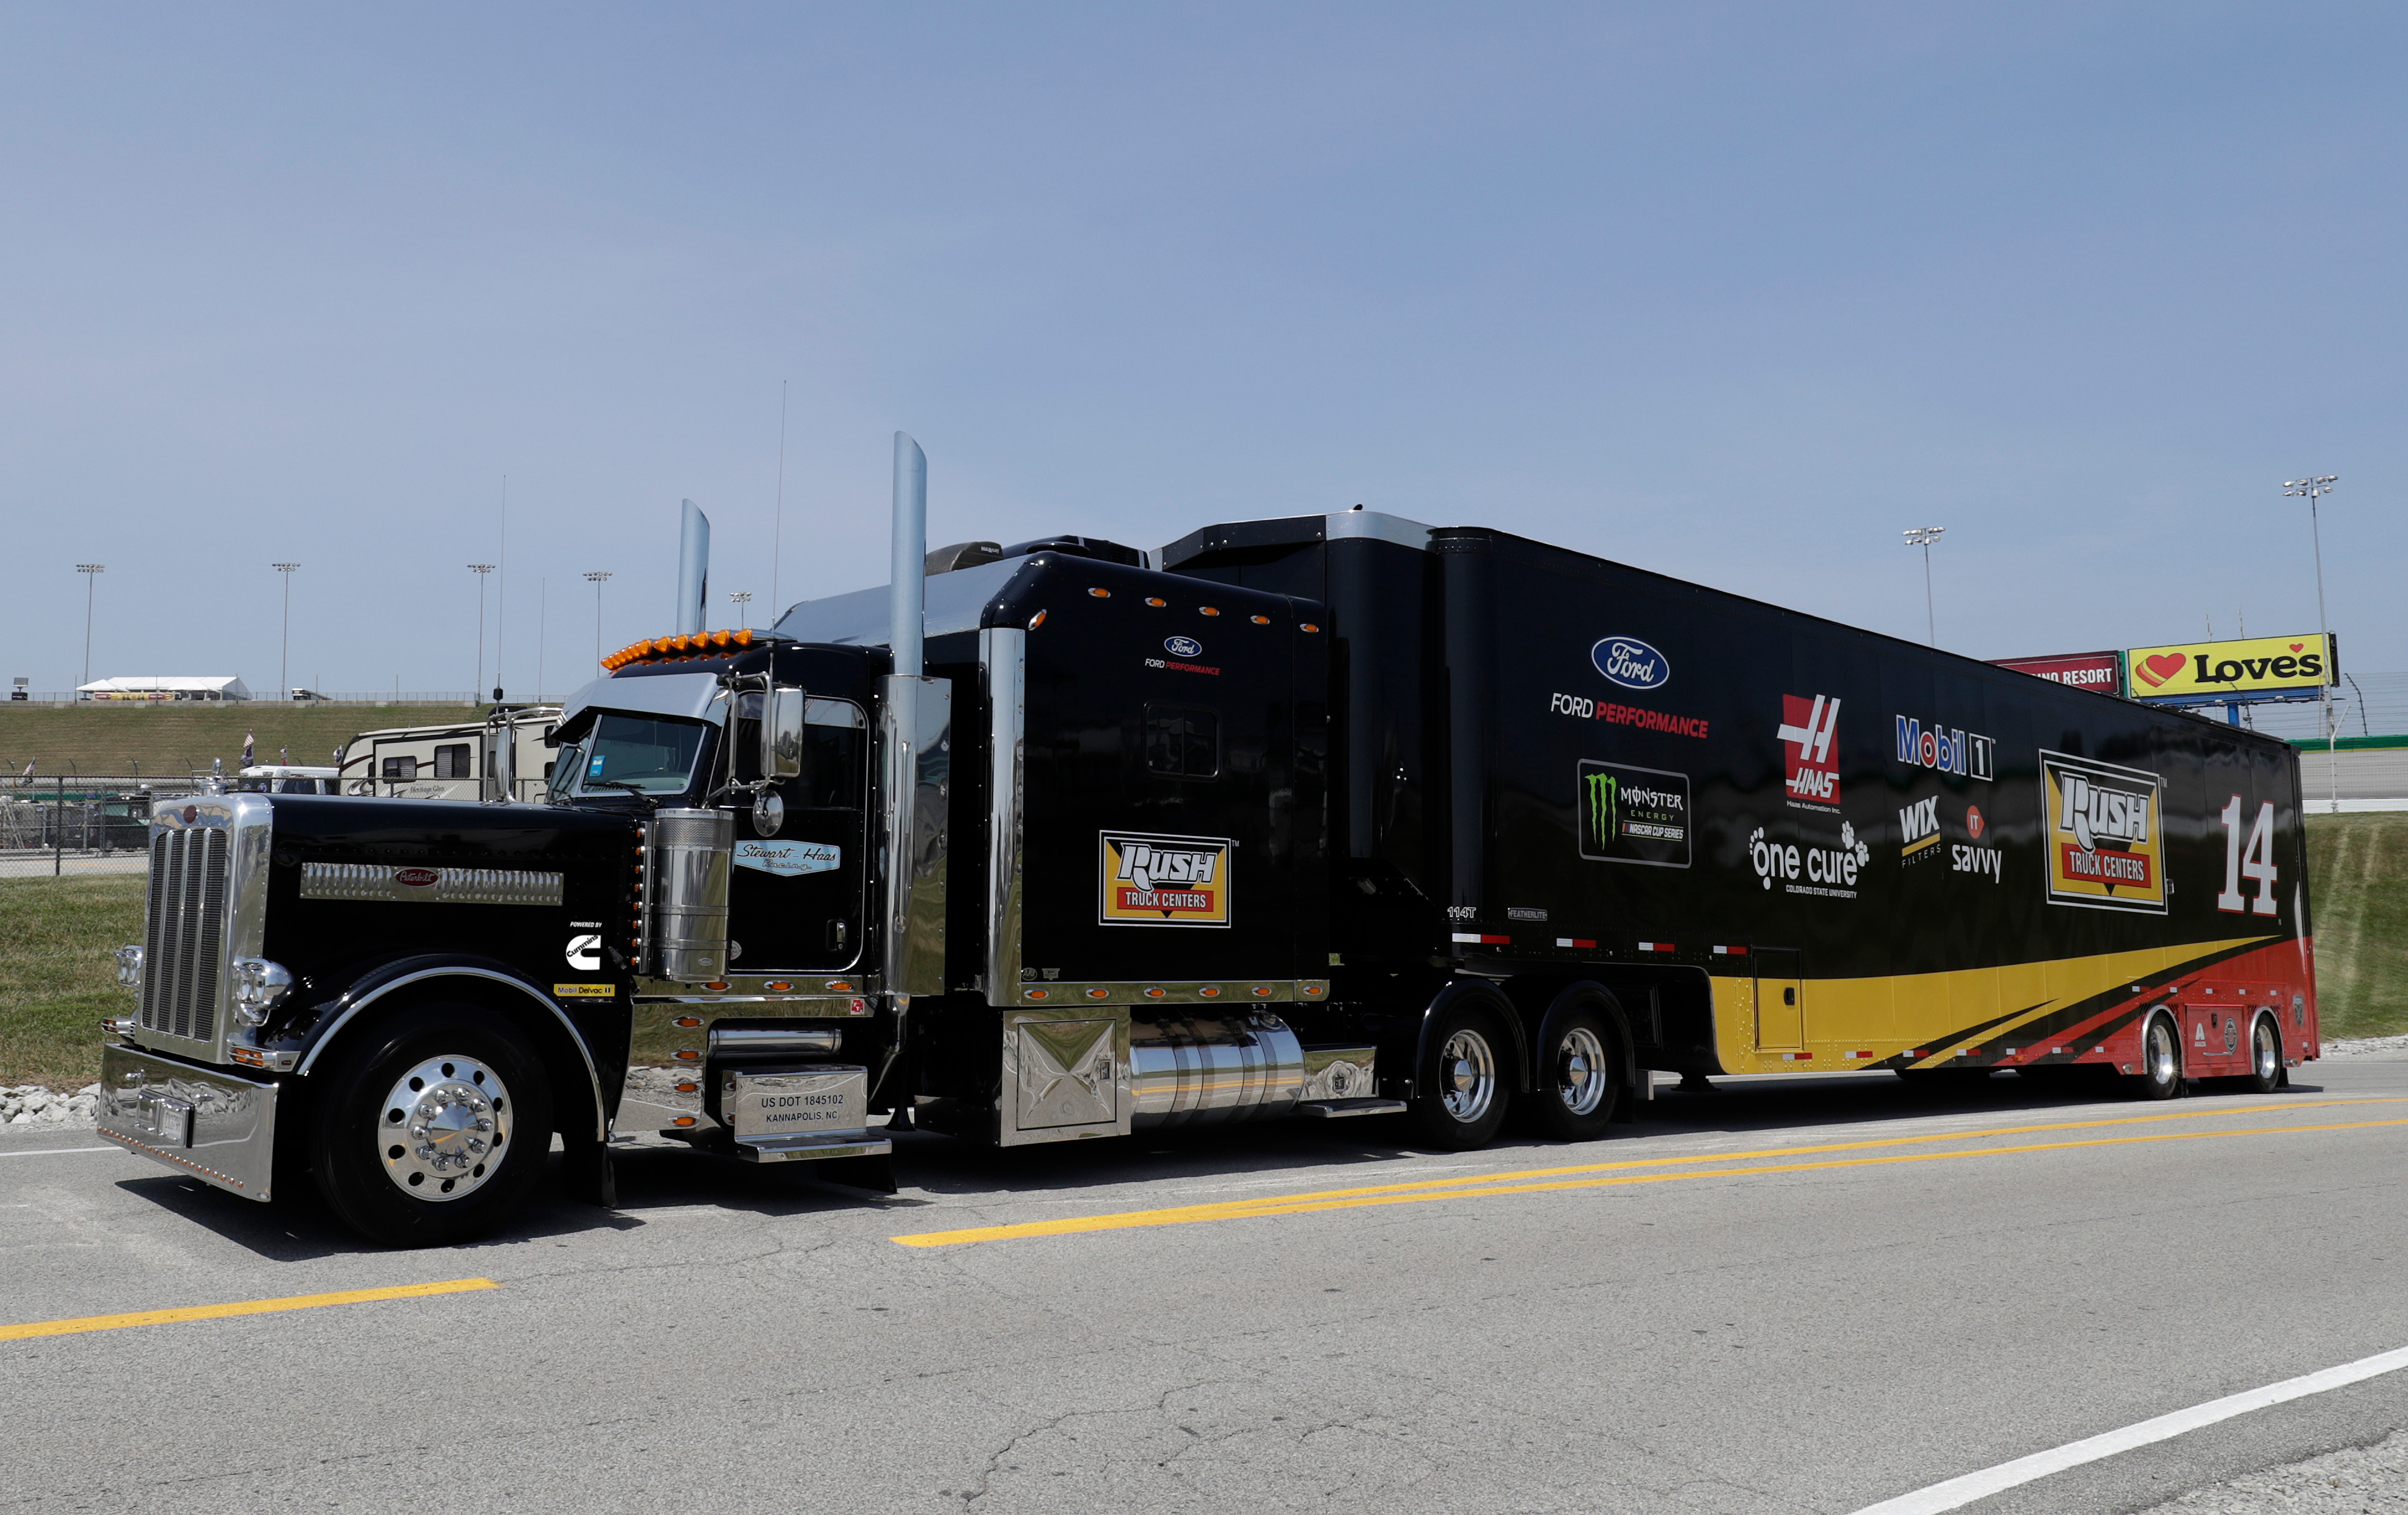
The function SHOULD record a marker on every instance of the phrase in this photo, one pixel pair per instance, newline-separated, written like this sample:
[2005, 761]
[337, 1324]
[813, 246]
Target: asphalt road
[1740, 1323]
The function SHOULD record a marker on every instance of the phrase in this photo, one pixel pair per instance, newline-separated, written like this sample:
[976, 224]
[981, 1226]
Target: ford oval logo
[1631, 662]
[418, 878]
[1184, 646]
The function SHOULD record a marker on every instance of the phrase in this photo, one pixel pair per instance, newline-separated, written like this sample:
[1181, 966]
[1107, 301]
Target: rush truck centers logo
[2205, 670]
[2105, 843]
[1807, 727]
[1150, 881]
[1634, 815]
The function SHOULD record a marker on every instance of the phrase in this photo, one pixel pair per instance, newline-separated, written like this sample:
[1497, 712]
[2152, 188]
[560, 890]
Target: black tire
[2160, 1076]
[2265, 1057]
[1466, 1077]
[471, 1066]
[1576, 1078]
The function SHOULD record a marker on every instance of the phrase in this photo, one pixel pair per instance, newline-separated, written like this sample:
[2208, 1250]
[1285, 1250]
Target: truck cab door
[797, 895]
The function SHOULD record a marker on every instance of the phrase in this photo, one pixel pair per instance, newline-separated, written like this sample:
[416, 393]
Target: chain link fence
[62, 826]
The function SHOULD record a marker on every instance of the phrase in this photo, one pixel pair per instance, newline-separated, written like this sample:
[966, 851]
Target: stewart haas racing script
[1150, 881]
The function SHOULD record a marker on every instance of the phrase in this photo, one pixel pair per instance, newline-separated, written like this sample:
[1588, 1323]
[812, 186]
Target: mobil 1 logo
[1634, 815]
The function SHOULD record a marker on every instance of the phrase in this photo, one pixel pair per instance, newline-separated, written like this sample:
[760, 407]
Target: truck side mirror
[781, 734]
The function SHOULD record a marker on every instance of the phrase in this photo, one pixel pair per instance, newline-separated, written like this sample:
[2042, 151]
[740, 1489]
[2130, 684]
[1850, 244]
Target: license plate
[825, 1099]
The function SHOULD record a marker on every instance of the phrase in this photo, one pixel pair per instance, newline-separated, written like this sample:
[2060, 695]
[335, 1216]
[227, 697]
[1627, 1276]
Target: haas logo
[1807, 727]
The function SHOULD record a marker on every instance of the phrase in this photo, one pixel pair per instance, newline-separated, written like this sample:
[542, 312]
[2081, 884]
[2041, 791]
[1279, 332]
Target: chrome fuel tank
[1206, 1070]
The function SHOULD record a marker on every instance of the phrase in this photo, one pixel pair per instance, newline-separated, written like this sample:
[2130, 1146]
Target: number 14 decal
[2253, 860]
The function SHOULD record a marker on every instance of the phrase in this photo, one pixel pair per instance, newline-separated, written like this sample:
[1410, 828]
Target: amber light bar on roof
[690, 645]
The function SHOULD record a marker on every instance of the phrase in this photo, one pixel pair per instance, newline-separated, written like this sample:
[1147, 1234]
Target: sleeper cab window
[1182, 741]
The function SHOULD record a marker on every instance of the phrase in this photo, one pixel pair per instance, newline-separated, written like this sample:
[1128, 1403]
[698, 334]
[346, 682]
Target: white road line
[1959, 1492]
[61, 1152]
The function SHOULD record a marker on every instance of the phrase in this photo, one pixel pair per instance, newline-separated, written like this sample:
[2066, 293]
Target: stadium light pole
[598, 578]
[741, 598]
[284, 654]
[480, 570]
[1923, 536]
[2311, 489]
[89, 570]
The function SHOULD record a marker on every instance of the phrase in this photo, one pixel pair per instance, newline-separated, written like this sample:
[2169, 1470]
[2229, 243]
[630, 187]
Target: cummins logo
[1631, 662]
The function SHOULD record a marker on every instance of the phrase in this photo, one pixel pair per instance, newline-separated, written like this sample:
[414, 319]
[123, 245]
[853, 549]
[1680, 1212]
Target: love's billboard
[2219, 670]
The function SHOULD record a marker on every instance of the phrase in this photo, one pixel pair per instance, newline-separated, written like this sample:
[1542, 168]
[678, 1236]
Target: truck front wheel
[1464, 1081]
[430, 1131]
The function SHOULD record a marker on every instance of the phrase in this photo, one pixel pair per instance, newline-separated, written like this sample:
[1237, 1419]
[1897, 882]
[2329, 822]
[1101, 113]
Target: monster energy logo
[1633, 815]
[1605, 805]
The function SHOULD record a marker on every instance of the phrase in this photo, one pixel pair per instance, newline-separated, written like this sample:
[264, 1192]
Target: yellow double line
[1556, 1180]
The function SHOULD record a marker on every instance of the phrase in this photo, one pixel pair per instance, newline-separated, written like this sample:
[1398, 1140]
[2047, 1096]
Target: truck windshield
[622, 751]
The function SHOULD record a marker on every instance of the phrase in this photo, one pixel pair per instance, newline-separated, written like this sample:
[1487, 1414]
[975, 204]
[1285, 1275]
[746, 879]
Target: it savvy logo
[1806, 731]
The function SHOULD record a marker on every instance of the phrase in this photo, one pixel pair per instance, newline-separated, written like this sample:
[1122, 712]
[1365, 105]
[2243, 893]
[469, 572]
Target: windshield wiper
[644, 795]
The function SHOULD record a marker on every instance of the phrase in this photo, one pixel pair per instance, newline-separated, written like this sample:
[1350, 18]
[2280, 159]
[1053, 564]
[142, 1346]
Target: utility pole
[284, 654]
[477, 689]
[597, 578]
[1923, 536]
[89, 570]
[2311, 489]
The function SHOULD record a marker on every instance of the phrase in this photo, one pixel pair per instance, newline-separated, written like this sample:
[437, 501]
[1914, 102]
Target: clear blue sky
[1732, 293]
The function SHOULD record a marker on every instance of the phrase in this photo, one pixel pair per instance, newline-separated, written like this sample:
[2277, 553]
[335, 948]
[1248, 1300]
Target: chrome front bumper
[197, 1121]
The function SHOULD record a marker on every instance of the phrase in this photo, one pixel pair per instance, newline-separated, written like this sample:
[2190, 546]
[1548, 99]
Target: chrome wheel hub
[441, 1132]
[2162, 1053]
[1466, 1072]
[1580, 1071]
[2269, 1056]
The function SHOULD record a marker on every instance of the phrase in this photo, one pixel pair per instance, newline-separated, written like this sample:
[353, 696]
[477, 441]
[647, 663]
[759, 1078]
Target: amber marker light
[1308, 626]
[1206, 609]
[688, 1021]
[1036, 620]
[1261, 620]
[1156, 602]
[1101, 594]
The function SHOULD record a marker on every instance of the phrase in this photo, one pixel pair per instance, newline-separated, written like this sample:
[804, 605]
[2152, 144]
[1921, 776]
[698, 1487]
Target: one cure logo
[1806, 731]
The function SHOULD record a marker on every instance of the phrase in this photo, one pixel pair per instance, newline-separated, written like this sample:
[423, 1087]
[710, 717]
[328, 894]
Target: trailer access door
[1780, 1000]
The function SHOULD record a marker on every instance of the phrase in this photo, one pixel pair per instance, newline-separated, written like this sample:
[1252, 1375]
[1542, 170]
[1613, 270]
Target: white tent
[155, 688]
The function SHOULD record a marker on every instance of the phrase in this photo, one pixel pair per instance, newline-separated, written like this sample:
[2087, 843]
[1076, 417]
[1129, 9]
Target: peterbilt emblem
[1183, 647]
[192, 813]
[418, 878]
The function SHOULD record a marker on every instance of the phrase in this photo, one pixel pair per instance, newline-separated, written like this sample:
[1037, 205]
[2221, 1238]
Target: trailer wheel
[2160, 1076]
[2265, 1057]
[1464, 1082]
[1579, 1078]
[431, 1130]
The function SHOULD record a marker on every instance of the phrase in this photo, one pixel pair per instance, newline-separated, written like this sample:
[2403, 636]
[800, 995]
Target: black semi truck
[1318, 817]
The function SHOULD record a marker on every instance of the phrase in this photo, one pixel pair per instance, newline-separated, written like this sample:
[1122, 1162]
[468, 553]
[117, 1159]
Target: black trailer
[1325, 817]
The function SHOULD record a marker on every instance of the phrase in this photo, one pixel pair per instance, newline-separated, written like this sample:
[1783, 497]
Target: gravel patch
[31, 1105]
[2389, 1048]
[2356, 1480]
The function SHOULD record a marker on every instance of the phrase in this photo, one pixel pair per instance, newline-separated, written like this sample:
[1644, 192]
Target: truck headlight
[129, 967]
[258, 984]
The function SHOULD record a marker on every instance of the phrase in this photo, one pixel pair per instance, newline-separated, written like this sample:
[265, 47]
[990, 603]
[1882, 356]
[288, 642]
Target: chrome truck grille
[207, 907]
[183, 942]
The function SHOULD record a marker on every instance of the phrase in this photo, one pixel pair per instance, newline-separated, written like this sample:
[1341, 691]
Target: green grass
[57, 977]
[170, 739]
[2357, 891]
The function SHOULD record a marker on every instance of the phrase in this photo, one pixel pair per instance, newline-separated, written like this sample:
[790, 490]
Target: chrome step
[799, 1149]
[1336, 1109]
